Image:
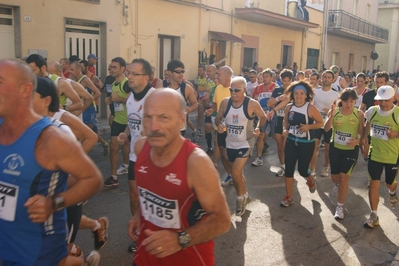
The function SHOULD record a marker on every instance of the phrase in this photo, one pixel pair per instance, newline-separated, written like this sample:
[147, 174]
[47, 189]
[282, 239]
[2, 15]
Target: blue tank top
[21, 177]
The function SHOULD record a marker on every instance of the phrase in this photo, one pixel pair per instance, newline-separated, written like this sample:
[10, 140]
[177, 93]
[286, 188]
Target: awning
[270, 18]
[227, 36]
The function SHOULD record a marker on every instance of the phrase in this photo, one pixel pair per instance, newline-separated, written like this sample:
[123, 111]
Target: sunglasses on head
[235, 90]
[179, 71]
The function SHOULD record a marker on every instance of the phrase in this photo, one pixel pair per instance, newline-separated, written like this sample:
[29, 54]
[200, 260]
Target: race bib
[158, 210]
[235, 131]
[8, 201]
[201, 95]
[118, 106]
[294, 130]
[342, 138]
[281, 112]
[108, 87]
[379, 132]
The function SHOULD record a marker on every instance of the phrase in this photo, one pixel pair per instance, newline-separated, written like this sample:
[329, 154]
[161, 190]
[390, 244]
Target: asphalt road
[303, 234]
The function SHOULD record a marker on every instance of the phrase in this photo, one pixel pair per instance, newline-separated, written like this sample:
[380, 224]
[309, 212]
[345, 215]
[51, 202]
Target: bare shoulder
[138, 146]
[200, 169]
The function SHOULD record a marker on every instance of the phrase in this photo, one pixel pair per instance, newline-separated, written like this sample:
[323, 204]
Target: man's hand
[122, 137]
[39, 208]
[256, 132]
[161, 243]
[133, 228]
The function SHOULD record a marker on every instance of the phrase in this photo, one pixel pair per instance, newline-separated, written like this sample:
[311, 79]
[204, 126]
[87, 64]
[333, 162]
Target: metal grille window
[90, 1]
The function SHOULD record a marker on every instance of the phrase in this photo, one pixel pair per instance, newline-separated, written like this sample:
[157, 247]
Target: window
[334, 59]
[90, 1]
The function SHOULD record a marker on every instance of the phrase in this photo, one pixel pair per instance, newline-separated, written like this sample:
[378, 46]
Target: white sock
[125, 165]
[283, 166]
[375, 212]
[98, 226]
[391, 192]
[340, 204]
[114, 177]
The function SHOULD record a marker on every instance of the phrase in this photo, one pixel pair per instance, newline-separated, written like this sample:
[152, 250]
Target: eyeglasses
[235, 90]
[179, 71]
[134, 74]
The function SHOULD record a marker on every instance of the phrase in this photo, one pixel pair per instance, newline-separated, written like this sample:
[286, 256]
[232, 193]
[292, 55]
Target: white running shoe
[121, 170]
[242, 201]
[339, 213]
[227, 181]
[326, 171]
[280, 172]
[372, 221]
[93, 259]
[258, 162]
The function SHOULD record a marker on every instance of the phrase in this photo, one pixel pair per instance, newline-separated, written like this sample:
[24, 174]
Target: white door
[7, 39]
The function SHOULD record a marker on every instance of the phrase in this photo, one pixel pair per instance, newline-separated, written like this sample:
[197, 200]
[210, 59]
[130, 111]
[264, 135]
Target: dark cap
[74, 58]
[92, 56]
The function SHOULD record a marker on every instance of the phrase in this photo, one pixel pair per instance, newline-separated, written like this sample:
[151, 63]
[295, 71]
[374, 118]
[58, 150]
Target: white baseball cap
[384, 93]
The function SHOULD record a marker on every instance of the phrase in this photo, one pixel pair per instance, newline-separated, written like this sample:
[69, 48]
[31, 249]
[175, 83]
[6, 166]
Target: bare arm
[86, 82]
[66, 89]
[343, 84]
[97, 82]
[192, 100]
[82, 132]
[220, 114]
[87, 97]
[211, 198]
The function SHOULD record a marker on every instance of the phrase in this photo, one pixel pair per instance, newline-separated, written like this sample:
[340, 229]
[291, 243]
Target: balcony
[388, 2]
[344, 24]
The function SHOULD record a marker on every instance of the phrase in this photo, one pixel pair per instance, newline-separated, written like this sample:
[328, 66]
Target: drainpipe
[324, 35]
[302, 47]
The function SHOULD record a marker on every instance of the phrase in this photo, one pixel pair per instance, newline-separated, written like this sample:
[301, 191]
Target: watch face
[184, 239]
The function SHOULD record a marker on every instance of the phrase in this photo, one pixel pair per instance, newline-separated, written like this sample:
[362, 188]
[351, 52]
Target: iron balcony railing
[340, 19]
[388, 2]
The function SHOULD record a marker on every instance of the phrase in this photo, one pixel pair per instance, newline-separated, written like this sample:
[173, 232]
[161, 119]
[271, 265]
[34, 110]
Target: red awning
[227, 36]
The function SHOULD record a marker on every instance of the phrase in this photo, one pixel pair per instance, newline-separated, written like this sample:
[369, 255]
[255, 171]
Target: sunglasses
[179, 71]
[235, 90]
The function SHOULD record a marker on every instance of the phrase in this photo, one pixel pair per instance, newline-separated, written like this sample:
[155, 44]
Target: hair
[45, 87]
[252, 71]
[268, 71]
[56, 65]
[244, 69]
[84, 62]
[37, 59]
[300, 73]
[382, 74]
[349, 75]
[286, 73]
[146, 66]
[328, 71]
[309, 90]
[346, 94]
[66, 60]
[202, 66]
[315, 74]
[226, 69]
[120, 61]
[239, 79]
[174, 63]
[361, 75]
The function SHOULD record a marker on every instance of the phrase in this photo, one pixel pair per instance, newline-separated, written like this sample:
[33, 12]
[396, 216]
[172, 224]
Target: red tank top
[166, 202]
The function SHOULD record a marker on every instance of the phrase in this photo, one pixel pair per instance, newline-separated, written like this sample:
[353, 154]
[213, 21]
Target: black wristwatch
[58, 203]
[184, 239]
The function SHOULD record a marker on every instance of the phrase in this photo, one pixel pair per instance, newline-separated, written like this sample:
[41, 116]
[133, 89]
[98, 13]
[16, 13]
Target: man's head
[164, 116]
[55, 68]
[225, 74]
[138, 74]
[92, 59]
[202, 71]
[64, 62]
[385, 97]
[73, 58]
[252, 76]
[46, 98]
[176, 69]
[327, 78]
[300, 76]
[381, 78]
[211, 71]
[259, 69]
[85, 66]
[313, 79]
[286, 77]
[238, 88]
[17, 86]
[361, 80]
[308, 72]
[267, 76]
[245, 71]
[118, 65]
[38, 64]
[76, 70]
[348, 78]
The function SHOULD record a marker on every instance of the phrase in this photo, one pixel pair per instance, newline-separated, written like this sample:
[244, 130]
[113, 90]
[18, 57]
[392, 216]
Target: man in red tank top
[181, 205]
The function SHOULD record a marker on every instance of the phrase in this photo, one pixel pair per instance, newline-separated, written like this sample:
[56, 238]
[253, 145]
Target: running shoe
[132, 247]
[199, 132]
[111, 182]
[122, 170]
[93, 258]
[339, 213]
[287, 201]
[265, 148]
[101, 234]
[393, 199]
[334, 191]
[372, 221]
[242, 202]
[106, 148]
[227, 181]
[258, 162]
[280, 172]
[76, 251]
[195, 136]
[209, 152]
[326, 171]
[311, 184]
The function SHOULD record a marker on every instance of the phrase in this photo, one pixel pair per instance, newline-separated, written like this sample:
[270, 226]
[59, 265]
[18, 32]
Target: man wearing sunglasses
[238, 113]
[339, 82]
[176, 82]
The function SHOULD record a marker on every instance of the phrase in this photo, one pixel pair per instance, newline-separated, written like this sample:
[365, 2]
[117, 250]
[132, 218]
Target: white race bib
[281, 112]
[294, 130]
[118, 106]
[8, 201]
[235, 131]
[342, 138]
[160, 211]
[379, 132]
[108, 87]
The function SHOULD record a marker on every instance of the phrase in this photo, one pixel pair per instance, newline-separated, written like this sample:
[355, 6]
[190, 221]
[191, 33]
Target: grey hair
[239, 79]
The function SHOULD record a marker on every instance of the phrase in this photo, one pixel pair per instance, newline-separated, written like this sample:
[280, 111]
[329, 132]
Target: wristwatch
[184, 239]
[58, 203]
